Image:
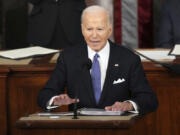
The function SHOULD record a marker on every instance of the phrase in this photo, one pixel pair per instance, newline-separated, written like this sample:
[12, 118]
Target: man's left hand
[120, 106]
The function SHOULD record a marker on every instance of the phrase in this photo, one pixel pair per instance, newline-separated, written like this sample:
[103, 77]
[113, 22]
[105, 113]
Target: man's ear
[82, 28]
[110, 30]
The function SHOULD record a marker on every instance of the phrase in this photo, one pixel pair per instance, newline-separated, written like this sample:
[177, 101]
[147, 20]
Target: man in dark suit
[55, 23]
[169, 29]
[122, 85]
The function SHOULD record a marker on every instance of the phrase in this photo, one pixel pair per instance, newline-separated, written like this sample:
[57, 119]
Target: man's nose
[94, 34]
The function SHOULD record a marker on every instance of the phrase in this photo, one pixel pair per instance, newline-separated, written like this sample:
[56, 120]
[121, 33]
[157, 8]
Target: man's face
[96, 30]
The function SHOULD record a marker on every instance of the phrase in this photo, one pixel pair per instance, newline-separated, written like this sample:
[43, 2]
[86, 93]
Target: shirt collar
[103, 53]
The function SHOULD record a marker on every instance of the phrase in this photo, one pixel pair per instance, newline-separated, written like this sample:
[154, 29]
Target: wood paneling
[3, 100]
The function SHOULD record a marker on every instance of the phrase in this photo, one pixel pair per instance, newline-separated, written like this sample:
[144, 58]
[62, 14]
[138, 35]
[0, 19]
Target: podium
[20, 84]
[84, 125]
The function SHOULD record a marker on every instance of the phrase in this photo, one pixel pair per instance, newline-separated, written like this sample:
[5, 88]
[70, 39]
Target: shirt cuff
[49, 107]
[134, 106]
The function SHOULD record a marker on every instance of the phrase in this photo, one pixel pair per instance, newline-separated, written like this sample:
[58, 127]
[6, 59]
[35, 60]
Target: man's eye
[99, 29]
[89, 29]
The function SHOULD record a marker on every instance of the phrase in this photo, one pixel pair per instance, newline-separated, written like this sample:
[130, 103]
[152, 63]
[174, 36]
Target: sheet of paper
[99, 112]
[176, 50]
[26, 52]
[55, 114]
[55, 57]
[160, 55]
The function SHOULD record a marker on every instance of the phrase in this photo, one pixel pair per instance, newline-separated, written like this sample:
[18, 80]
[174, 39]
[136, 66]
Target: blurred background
[14, 22]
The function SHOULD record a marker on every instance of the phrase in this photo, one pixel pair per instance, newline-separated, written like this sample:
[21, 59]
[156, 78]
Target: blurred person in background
[55, 23]
[169, 28]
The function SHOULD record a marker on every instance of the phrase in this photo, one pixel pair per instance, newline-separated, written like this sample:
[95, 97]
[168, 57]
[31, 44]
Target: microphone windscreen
[86, 64]
[89, 64]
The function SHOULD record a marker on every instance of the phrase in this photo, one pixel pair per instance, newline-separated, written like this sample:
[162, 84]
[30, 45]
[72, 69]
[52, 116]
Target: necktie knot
[96, 56]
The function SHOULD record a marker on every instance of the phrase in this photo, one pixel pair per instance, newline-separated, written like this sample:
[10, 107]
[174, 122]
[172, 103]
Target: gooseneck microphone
[174, 67]
[75, 109]
[89, 64]
[86, 66]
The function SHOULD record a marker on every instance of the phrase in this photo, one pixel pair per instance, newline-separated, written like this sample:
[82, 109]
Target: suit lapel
[110, 74]
[85, 74]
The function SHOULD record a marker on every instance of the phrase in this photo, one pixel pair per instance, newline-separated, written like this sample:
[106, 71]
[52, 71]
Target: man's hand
[120, 106]
[64, 99]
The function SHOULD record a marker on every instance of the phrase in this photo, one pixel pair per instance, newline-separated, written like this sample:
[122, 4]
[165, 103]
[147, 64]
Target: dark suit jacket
[169, 28]
[71, 71]
[43, 19]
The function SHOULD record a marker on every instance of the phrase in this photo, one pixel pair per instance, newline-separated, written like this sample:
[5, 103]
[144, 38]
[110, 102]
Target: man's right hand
[64, 99]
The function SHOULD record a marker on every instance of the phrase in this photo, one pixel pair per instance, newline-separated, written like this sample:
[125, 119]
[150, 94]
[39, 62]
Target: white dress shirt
[103, 60]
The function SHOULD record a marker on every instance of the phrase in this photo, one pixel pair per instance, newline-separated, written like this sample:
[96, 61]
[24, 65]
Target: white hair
[95, 9]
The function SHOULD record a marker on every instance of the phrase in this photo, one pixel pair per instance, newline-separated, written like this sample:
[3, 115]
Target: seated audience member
[114, 80]
[169, 28]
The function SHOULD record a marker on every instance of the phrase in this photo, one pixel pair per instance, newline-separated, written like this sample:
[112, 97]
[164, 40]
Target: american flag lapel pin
[116, 65]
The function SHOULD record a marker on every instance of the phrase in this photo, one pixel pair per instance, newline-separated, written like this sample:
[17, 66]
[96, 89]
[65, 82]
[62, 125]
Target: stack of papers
[84, 111]
[157, 54]
[26, 52]
[99, 112]
[175, 50]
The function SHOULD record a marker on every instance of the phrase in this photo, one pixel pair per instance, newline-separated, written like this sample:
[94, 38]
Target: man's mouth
[95, 42]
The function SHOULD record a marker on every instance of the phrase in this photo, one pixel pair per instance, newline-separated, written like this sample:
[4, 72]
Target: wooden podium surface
[34, 124]
[35, 121]
[19, 85]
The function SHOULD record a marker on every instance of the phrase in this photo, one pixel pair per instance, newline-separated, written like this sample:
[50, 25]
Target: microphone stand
[75, 109]
[86, 66]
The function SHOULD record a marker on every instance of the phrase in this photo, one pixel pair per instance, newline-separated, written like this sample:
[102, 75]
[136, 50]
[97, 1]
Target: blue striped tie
[96, 78]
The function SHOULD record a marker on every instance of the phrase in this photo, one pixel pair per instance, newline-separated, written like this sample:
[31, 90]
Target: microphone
[86, 66]
[75, 109]
[174, 67]
[89, 64]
